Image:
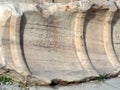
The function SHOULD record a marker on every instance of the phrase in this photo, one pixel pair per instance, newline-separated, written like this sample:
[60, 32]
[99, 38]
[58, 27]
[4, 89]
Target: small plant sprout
[101, 77]
[4, 79]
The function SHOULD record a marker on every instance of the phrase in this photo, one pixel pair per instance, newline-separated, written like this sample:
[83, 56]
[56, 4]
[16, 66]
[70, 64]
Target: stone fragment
[68, 41]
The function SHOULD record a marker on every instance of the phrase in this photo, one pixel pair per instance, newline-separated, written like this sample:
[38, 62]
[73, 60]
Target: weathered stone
[66, 41]
[10, 87]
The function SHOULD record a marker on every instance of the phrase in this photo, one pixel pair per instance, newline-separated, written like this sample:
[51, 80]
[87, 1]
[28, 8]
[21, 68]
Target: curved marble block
[68, 41]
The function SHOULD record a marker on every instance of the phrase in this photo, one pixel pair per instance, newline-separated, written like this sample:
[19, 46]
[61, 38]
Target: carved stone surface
[67, 41]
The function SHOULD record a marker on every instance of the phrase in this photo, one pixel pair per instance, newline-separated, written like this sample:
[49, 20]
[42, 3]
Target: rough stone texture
[112, 84]
[68, 41]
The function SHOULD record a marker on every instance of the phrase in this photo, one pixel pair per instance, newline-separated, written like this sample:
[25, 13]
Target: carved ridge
[2, 36]
[79, 40]
[107, 34]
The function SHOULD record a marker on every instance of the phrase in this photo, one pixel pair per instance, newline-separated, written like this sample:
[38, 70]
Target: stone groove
[108, 38]
[16, 52]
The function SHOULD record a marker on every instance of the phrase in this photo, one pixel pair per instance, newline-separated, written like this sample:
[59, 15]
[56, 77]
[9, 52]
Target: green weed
[101, 78]
[4, 79]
